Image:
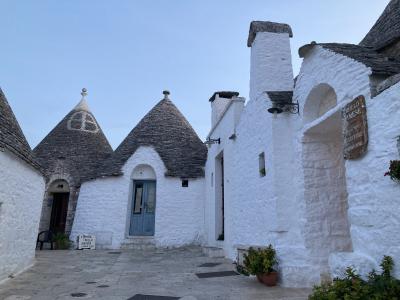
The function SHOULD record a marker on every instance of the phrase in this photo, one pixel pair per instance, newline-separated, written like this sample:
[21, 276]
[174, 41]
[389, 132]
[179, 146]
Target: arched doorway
[60, 191]
[143, 201]
[327, 227]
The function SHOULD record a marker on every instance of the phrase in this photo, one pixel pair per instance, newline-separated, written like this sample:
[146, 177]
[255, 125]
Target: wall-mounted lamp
[282, 102]
[211, 141]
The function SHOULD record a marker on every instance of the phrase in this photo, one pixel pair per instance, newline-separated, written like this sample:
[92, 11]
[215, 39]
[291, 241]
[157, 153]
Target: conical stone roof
[11, 135]
[166, 130]
[76, 146]
[386, 30]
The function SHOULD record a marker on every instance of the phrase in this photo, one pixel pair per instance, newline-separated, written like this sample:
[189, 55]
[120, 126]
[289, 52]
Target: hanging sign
[355, 129]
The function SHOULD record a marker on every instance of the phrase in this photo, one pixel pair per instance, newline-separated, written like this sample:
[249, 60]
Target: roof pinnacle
[166, 94]
[84, 93]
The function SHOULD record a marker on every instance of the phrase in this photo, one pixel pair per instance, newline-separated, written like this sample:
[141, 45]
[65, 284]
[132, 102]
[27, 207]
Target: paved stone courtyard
[123, 274]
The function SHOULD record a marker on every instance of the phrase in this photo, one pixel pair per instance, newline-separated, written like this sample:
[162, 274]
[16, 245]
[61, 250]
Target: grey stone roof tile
[389, 82]
[386, 30]
[166, 130]
[379, 64]
[80, 153]
[265, 26]
[281, 96]
[11, 135]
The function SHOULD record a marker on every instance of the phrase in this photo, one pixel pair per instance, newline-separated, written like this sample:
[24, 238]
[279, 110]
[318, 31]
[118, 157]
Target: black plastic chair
[45, 237]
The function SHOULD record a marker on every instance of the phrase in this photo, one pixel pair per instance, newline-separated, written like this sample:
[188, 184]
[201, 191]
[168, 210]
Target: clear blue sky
[126, 52]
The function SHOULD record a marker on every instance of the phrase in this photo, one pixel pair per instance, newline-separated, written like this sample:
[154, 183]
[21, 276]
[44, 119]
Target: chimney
[271, 61]
[219, 101]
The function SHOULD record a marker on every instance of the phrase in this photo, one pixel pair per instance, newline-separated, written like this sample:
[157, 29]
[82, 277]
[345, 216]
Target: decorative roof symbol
[82, 119]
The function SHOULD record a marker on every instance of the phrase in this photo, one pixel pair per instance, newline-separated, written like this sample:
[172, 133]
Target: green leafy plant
[62, 241]
[352, 287]
[394, 170]
[260, 261]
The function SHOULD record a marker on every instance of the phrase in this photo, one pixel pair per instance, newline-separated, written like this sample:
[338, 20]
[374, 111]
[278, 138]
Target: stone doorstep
[213, 252]
[138, 243]
[140, 239]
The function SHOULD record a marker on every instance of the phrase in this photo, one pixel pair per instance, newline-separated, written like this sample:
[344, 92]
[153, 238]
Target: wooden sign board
[355, 128]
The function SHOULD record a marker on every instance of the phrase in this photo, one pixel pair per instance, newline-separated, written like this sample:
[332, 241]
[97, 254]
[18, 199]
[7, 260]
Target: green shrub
[62, 241]
[394, 170]
[352, 287]
[260, 261]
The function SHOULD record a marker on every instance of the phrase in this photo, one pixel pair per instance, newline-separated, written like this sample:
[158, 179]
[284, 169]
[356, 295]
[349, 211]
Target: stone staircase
[139, 243]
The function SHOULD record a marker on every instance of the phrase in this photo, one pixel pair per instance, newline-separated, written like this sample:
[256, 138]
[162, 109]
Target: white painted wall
[320, 189]
[21, 194]
[373, 211]
[270, 64]
[260, 210]
[224, 130]
[103, 206]
[218, 107]
[320, 212]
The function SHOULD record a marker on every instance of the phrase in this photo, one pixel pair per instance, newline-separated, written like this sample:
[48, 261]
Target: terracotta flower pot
[269, 279]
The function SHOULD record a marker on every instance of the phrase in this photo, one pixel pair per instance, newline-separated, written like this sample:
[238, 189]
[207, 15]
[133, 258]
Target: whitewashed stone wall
[223, 130]
[320, 212]
[103, 206]
[374, 210]
[21, 195]
[371, 207]
[260, 210]
[270, 64]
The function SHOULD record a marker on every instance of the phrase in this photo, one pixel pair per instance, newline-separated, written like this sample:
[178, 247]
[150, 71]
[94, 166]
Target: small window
[261, 165]
[138, 198]
[212, 179]
[185, 183]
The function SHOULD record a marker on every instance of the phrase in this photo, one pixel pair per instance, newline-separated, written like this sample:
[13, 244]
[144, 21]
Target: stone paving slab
[120, 276]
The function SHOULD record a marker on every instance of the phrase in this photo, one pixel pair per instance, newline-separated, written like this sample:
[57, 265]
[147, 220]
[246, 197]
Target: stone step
[139, 243]
[213, 251]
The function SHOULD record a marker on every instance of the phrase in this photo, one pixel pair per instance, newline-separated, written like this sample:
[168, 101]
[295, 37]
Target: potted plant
[62, 241]
[394, 170]
[262, 263]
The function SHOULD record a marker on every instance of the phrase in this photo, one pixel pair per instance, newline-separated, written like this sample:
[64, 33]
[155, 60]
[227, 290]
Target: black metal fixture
[275, 109]
[211, 141]
[282, 102]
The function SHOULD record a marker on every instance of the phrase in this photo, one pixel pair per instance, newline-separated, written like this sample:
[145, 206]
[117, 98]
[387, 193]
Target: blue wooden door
[143, 208]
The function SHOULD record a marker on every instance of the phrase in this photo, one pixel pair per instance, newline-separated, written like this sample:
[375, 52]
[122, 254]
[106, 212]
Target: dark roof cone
[166, 130]
[77, 144]
[386, 30]
[11, 135]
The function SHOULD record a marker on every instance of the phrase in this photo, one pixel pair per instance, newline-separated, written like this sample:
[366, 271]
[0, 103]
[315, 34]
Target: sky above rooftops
[126, 52]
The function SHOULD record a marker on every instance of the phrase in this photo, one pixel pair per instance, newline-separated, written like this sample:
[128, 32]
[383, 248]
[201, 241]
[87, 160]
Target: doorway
[59, 212]
[143, 208]
[219, 198]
